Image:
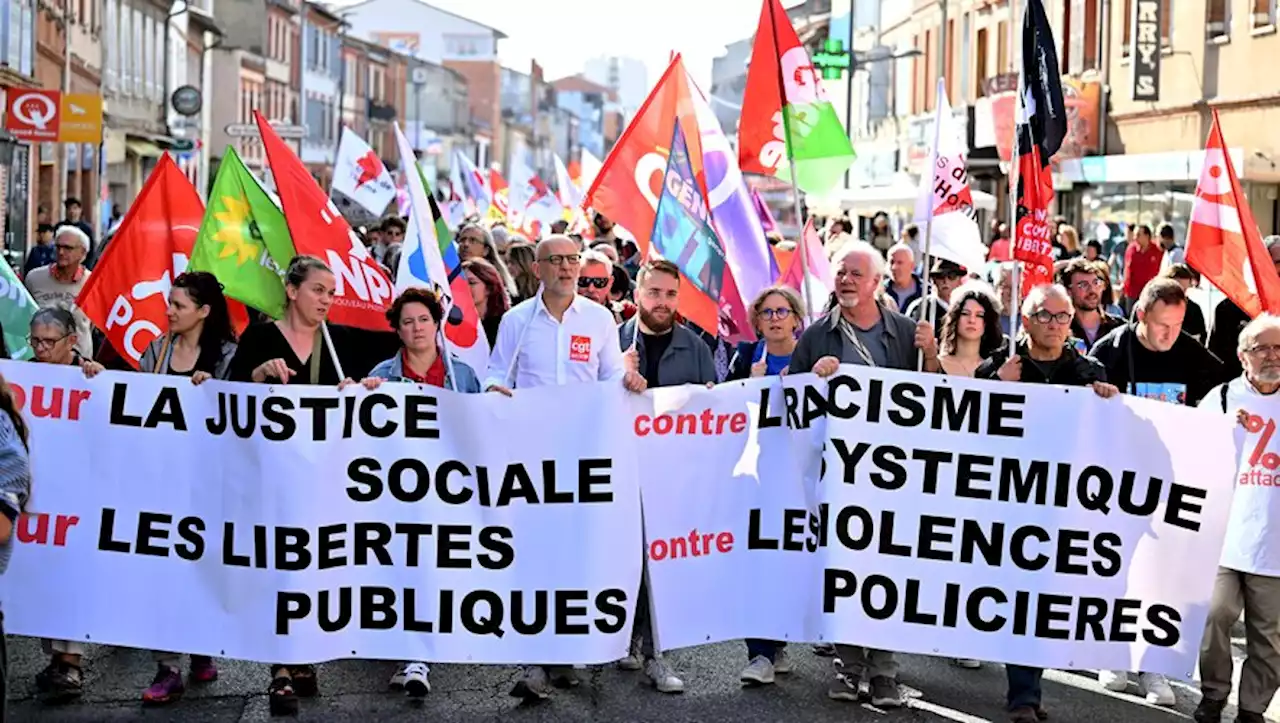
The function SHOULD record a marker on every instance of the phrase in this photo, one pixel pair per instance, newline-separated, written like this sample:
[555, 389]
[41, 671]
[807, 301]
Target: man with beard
[860, 331]
[1086, 281]
[667, 354]
[1248, 577]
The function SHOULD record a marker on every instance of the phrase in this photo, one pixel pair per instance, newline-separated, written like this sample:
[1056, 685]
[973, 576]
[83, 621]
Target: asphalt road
[357, 691]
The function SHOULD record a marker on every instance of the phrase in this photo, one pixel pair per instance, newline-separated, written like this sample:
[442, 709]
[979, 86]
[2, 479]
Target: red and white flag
[1223, 241]
[530, 196]
[360, 175]
[945, 200]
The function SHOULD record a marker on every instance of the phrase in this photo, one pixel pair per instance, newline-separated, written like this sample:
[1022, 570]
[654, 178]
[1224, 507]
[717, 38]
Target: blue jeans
[1024, 686]
[767, 648]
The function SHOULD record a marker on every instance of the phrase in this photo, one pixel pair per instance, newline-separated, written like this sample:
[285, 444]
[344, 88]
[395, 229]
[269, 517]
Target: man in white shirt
[553, 339]
[1249, 573]
[557, 337]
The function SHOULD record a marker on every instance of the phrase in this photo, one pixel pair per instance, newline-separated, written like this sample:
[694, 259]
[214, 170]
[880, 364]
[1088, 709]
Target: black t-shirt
[263, 342]
[654, 347]
[1228, 322]
[1182, 375]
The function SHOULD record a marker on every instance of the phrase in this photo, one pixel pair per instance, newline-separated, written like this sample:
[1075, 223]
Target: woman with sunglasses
[775, 315]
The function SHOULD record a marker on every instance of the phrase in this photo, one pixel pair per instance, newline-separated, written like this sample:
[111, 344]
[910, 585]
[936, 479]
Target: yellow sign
[80, 118]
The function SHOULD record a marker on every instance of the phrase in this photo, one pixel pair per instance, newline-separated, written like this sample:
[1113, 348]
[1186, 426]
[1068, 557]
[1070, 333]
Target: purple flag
[767, 221]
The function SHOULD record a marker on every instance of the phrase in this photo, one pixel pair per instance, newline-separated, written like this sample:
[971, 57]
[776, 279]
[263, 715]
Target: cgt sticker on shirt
[580, 348]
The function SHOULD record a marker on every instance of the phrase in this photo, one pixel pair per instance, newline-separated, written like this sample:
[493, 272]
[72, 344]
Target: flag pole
[1015, 173]
[802, 247]
[929, 313]
[333, 353]
[442, 344]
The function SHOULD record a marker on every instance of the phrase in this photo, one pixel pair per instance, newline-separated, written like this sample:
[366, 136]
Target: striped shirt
[15, 481]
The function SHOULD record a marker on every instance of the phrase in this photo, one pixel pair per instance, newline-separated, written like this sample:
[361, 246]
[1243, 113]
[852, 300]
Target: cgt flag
[319, 230]
[786, 115]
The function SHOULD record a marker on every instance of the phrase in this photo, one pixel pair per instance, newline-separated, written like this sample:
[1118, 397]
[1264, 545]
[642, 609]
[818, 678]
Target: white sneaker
[661, 677]
[1116, 681]
[533, 684]
[415, 679]
[782, 662]
[966, 663]
[634, 660]
[758, 672]
[1158, 690]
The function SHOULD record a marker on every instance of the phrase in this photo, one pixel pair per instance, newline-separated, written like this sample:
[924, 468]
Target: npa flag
[359, 174]
[786, 114]
[1223, 241]
[363, 289]
[945, 200]
[1041, 117]
[682, 234]
[127, 296]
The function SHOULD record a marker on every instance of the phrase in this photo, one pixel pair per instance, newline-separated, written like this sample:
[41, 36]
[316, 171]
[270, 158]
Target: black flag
[1043, 110]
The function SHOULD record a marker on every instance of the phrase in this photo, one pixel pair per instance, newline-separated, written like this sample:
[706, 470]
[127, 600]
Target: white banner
[296, 524]
[1014, 523]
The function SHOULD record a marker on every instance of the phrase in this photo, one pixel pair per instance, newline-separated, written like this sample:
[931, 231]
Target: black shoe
[1210, 711]
[65, 684]
[1245, 716]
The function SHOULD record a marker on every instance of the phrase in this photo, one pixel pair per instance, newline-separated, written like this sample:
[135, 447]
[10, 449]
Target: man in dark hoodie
[1044, 355]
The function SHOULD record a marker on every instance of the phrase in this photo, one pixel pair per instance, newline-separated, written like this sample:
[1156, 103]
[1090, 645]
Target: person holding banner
[555, 338]
[970, 330]
[775, 315]
[200, 344]
[1049, 359]
[15, 490]
[416, 315]
[860, 330]
[293, 350]
[53, 339]
[1249, 573]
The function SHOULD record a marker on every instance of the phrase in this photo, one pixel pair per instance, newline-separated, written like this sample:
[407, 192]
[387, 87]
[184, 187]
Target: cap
[946, 267]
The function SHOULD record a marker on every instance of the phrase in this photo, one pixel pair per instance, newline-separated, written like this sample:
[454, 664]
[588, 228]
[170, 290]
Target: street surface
[357, 691]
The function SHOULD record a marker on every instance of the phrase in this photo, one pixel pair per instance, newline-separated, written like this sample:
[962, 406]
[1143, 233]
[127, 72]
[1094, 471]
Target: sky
[563, 34]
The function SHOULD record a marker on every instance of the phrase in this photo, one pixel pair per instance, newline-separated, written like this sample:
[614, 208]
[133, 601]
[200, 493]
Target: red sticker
[580, 348]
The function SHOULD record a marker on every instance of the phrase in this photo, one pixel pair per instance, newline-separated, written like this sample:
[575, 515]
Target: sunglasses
[598, 282]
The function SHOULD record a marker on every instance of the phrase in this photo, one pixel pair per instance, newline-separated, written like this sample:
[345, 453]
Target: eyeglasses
[41, 343]
[1089, 284]
[1271, 350]
[599, 282]
[558, 259]
[1044, 317]
[68, 247]
[470, 242]
[772, 314]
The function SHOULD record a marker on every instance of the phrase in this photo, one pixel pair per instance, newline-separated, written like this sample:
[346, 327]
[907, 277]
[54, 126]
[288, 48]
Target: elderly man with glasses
[59, 283]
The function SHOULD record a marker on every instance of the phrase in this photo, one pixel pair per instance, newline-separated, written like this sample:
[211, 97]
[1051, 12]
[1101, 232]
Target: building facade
[437, 115]
[628, 78]
[66, 171]
[18, 159]
[320, 57]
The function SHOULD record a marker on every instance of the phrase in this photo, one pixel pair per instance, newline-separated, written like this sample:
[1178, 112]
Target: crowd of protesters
[1146, 338]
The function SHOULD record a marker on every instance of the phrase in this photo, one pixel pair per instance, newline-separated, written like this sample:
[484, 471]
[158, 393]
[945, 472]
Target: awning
[143, 149]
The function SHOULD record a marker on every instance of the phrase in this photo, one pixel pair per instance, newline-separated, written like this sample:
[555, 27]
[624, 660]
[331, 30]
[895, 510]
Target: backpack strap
[1224, 397]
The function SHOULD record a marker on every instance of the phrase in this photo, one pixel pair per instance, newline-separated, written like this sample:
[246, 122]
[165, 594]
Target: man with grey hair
[595, 280]
[1229, 319]
[58, 284]
[903, 284]
[1249, 571]
[861, 331]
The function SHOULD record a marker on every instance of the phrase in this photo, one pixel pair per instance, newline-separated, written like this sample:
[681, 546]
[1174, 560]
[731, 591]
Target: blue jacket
[392, 370]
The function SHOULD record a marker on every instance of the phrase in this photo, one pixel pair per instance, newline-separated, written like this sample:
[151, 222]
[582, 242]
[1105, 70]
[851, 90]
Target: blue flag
[682, 230]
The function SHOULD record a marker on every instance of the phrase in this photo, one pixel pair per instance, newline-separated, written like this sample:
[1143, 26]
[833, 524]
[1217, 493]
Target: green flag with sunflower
[244, 239]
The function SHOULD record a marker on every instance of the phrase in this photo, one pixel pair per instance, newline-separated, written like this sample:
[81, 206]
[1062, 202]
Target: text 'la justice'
[280, 419]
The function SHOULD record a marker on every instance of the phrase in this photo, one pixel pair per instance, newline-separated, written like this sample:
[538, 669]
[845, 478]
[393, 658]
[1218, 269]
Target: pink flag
[762, 210]
[816, 286]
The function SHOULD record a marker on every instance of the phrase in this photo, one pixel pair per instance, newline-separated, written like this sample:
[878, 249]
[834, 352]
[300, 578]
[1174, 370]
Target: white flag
[945, 196]
[360, 175]
[570, 194]
[591, 167]
[529, 195]
[420, 262]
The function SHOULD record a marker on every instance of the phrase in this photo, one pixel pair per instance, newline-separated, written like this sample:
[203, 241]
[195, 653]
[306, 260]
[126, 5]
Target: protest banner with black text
[1006, 522]
[301, 524]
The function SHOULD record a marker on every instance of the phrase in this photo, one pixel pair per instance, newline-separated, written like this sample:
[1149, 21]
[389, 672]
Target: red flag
[1034, 238]
[364, 291]
[127, 295]
[1223, 241]
[630, 181]
[496, 181]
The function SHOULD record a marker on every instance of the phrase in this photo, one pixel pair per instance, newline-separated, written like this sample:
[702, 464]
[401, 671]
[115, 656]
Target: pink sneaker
[166, 688]
[202, 669]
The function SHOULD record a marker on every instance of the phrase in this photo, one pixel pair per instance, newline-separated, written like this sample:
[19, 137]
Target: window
[159, 28]
[980, 72]
[1002, 48]
[1166, 24]
[916, 103]
[1264, 13]
[1217, 19]
[930, 65]
[1069, 41]
[948, 66]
